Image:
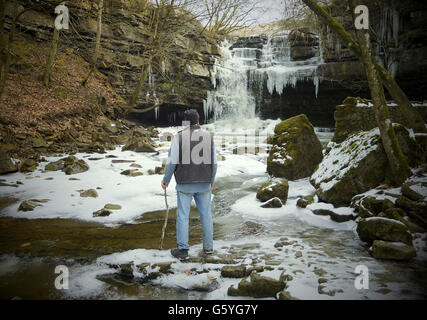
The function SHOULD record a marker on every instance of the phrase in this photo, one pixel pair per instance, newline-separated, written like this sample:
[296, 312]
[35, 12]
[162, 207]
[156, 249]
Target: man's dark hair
[192, 116]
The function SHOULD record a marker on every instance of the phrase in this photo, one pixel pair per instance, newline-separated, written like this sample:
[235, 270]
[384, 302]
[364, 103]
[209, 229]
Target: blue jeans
[203, 203]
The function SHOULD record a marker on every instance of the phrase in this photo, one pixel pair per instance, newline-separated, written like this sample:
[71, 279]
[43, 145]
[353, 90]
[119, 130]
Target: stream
[321, 255]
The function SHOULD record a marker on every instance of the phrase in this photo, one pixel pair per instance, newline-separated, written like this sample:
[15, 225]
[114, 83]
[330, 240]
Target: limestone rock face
[392, 250]
[303, 44]
[378, 228]
[273, 189]
[296, 150]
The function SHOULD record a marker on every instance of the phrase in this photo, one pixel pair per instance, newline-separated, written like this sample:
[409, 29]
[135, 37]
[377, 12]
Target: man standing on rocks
[192, 159]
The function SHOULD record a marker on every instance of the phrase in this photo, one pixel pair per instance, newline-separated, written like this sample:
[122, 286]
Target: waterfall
[242, 72]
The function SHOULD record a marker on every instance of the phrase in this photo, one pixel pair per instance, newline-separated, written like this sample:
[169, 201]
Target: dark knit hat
[192, 116]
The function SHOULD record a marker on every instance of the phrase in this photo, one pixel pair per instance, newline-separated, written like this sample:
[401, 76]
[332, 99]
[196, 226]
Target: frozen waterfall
[242, 73]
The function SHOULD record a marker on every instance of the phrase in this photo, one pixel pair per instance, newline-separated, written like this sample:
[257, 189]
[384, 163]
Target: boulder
[415, 191]
[273, 189]
[91, 193]
[257, 287]
[28, 165]
[102, 213]
[30, 205]
[399, 215]
[354, 166]
[378, 228]
[334, 215]
[272, 203]
[131, 173]
[305, 201]
[139, 144]
[110, 206]
[296, 150]
[415, 210]
[285, 295]
[392, 250]
[7, 165]
[234, 271]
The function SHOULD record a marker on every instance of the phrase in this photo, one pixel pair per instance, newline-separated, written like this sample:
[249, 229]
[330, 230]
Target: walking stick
[166, 222]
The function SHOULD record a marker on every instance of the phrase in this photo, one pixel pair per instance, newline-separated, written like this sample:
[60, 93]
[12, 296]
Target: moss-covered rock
[272, 190]
[415, 191]
[90, 193]
[139, 144]
[257, 287]
[272, 203]
[72, 165]
[28, 165]
[296, 150]
[7, 165]
[399, 215]
[101, 213]
[392, 250]
[415, 210]
[110, 206]
[305, 201]
[334, 215]
[234, 271]
[378, 228]
[131, 173]
[30, 205]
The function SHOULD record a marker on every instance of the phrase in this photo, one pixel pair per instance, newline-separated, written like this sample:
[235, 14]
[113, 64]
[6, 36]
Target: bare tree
[226, 16]
[408, 114]
[97, 43]
[398, 164]
[51, 58]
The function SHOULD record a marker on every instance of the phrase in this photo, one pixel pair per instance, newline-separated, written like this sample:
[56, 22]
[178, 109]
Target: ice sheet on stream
[306, 271]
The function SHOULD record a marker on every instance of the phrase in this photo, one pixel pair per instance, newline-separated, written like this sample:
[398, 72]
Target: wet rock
[122, 161]
[7, 165]
[135, 165]
[28, 165]
[246, 246]
[273, 189]
[91, 193]
[399, 215]
[285, 295]
[54, 166]
[139, 144]
[234, 271]
[409, 190]
[392, 250]
[30, 205]
[334, 216]
[305, 201]
[110, 206]
[126, 270]
[296, 150]
[322, 280]
[321, 290]
[319, 272]
[415, 210]
[378, 228]
[272, 203]
[257, 287]
[298, 254]
[72, 165]
[131, 173]
[102, 213]
[159, 170]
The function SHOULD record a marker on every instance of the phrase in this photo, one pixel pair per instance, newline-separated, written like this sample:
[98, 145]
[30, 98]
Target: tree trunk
[3, 51]
[409, 116]
[97, 44]
[399, 167]
[144, 73]
[51, 59]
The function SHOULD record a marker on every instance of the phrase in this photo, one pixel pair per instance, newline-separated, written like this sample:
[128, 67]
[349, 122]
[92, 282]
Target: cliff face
[124, 39]
[401, 45]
